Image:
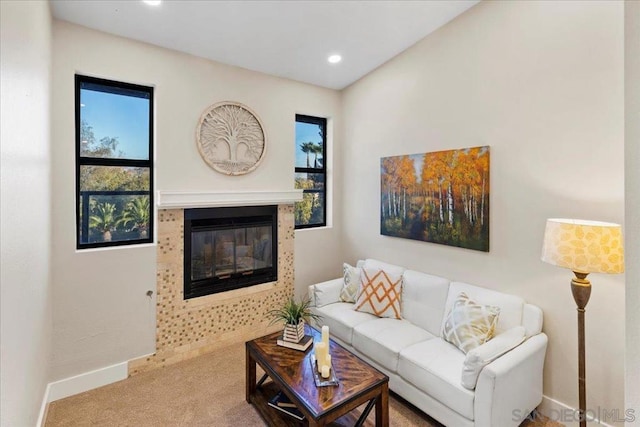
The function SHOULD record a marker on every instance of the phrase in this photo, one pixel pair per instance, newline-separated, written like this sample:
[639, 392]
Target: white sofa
[426, 370]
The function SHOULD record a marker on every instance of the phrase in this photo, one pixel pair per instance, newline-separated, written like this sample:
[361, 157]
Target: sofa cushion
[532, 319]
[326, 292]
[380, 293]
[470, 324]
[380, 265]
[423, 300]
[481, 356]
[382, 339]
[341, 318]
[434, 367]
[351, 284]
[511, 306]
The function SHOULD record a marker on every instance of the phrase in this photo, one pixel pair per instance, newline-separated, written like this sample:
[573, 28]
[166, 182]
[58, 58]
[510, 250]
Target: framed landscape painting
[440, 197]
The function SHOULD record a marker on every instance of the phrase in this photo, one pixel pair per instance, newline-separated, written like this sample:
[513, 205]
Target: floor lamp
[583, 247]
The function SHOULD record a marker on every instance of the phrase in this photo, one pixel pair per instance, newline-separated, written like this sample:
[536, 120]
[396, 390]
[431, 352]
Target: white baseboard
[562, 413]
[87, 381]
[43, 407]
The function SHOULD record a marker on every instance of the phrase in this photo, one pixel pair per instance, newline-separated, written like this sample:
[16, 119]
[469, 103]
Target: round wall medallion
[231, 138]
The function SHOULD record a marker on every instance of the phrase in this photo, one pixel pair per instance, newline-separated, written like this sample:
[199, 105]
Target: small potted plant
[293, 314]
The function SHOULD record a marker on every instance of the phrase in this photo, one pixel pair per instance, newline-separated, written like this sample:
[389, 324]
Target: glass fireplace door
[229, 248]
[228, 252]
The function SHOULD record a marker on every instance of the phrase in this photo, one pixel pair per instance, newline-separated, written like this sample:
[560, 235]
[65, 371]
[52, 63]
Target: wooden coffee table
[290, 371]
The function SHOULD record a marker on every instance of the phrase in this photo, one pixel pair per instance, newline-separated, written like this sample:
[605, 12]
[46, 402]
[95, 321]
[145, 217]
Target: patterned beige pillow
[380, 293]
[470, 324]
[349, 290]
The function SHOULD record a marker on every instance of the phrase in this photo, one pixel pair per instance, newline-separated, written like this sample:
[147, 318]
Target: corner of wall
[632, 203]
[25, 286]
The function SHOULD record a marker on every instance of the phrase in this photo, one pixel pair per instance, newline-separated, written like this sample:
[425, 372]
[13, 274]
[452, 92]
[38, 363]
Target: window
[310, 171]
[114, 170]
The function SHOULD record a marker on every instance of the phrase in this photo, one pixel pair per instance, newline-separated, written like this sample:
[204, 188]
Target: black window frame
[322, 122]
[118, 88]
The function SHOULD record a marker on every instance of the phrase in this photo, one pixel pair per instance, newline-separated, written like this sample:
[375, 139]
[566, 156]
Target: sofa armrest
[510, 387]
[326, 292]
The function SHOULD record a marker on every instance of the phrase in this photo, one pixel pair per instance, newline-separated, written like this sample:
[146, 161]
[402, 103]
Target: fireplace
[188, 328]
[229, 248]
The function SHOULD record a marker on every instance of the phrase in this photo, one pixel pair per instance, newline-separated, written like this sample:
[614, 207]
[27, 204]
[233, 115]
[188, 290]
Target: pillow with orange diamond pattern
[379, 293]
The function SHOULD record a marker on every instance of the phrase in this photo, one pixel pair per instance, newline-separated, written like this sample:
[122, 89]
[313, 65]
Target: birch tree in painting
[440, 197]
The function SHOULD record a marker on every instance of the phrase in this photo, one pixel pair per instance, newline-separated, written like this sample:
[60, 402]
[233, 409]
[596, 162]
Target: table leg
[262, 380]
[365, 413]
[382, 407]
[250, 387]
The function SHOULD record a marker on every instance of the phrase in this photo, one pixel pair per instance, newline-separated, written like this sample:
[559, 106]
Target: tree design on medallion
[231, 138]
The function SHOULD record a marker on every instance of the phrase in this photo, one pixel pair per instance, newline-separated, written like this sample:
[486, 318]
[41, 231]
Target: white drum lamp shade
[584, 246]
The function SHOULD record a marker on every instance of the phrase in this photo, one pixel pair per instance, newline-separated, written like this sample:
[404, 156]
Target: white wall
[632, 202]
[542, 84]
[101, 313]
[539, 82]
[25, 289]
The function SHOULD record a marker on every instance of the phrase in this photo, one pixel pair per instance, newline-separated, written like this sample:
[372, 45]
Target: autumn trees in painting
[440, 197]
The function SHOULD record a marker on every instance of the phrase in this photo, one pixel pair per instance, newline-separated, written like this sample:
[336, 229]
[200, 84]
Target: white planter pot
[293, 333]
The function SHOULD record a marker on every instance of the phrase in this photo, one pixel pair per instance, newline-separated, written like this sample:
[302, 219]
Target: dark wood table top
[293, 370]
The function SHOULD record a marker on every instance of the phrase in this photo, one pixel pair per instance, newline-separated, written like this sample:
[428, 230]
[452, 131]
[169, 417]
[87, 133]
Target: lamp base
[581, 290]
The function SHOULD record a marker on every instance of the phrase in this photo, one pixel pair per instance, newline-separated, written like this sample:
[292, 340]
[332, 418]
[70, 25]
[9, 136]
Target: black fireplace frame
[221, 219]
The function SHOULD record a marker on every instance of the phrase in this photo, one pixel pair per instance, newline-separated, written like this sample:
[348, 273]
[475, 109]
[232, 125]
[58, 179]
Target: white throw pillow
[349, 292]
[482, 355]
[469, 324]
[380, 293]
[327, 292]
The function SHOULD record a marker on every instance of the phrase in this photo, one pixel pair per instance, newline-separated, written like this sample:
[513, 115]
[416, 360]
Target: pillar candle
[325, 340]
[321, 355]
[327, 360]
[325, 336]
[325, 371]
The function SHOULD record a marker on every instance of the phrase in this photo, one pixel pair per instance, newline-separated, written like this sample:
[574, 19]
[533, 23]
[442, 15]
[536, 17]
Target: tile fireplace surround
[189, 328]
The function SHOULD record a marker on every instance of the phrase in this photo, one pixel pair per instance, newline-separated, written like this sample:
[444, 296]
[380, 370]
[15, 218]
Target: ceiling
[290, 39]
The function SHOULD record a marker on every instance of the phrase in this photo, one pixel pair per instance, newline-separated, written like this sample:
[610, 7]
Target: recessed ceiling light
[334, 59]
[153, 2]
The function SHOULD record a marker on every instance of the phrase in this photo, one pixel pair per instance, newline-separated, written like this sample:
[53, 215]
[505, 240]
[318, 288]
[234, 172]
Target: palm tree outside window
[310, 171]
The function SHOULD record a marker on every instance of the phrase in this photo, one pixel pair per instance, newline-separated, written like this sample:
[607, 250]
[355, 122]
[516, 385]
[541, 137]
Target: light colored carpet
[205, 391]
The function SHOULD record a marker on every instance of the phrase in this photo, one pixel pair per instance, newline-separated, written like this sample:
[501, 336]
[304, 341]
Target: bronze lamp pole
[584, 247]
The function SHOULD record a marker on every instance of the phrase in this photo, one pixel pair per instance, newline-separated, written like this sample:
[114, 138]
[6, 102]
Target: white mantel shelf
[214, 199]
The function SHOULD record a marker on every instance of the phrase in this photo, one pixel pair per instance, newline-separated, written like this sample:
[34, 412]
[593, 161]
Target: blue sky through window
[118, 116]
[306, 132]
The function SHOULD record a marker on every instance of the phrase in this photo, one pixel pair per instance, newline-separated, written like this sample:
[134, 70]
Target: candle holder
[317, 378]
